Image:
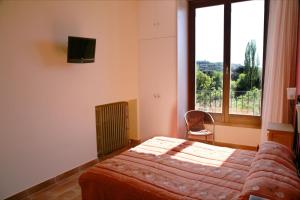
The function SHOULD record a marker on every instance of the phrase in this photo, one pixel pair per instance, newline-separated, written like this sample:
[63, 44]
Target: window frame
[224, 118]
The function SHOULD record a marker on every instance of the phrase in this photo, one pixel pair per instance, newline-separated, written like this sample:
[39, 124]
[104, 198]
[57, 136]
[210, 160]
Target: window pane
[247, 28]
[209, 58]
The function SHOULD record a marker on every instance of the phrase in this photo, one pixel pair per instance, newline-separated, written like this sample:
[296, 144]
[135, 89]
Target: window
[227, 40]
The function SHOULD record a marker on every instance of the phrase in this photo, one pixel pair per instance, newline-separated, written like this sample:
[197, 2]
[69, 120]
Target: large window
[227, 59]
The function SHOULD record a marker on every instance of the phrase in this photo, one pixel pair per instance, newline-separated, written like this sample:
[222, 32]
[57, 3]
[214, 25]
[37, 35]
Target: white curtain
[280, 61]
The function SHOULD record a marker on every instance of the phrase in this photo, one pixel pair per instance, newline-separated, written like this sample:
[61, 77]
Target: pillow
[272, 174]
[274, 148]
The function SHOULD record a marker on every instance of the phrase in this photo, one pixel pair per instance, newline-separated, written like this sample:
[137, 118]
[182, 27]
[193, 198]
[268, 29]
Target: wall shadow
[53, 54]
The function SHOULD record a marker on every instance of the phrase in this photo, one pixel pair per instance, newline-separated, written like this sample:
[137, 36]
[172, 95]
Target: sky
[247, 23]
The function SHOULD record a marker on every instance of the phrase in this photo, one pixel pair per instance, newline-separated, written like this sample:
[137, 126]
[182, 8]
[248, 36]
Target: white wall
[182, 65]
[47, 105]
[238, 135]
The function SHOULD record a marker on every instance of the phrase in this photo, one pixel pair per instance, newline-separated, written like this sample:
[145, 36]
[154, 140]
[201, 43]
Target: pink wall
[47, 121]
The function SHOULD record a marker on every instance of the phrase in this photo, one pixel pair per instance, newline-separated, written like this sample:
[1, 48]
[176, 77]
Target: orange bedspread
[168, 168]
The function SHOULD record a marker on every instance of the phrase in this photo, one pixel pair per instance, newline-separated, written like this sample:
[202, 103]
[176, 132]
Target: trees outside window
[226, 61]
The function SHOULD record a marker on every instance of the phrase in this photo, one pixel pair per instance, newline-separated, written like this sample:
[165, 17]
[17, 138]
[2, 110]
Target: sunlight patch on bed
[195, 153]
[214, 157]
[156, 147]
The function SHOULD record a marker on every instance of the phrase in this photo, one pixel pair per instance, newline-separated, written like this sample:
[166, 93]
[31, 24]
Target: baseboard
[235, 146]
[51, 181]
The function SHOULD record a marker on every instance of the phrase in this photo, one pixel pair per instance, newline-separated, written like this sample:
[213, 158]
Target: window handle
[226, 70]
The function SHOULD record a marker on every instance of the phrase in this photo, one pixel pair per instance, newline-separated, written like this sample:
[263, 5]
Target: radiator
[111, 127]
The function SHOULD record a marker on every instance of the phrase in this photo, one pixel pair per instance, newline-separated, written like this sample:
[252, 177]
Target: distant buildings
[206, 66]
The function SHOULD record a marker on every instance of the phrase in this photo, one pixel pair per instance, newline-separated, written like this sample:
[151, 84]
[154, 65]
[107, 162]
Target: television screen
[81, 50]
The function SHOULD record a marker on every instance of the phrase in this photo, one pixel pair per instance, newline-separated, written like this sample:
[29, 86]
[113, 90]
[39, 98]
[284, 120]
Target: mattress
[171, 168]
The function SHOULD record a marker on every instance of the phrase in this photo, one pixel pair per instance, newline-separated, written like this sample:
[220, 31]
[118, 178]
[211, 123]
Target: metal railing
[240, 102]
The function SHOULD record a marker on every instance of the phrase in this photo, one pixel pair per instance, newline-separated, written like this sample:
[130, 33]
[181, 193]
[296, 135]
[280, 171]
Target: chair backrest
[195, 120]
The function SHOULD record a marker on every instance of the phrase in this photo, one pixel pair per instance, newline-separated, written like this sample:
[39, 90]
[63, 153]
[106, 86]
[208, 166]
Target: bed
[170, 168]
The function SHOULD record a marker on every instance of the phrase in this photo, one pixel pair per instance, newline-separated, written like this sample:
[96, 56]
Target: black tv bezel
[81, 60]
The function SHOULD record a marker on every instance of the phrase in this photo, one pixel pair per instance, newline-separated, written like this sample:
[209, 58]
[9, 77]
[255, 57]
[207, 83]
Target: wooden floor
[66, 189]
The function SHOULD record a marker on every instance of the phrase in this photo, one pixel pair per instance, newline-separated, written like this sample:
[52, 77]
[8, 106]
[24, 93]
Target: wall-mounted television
[81, 50]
